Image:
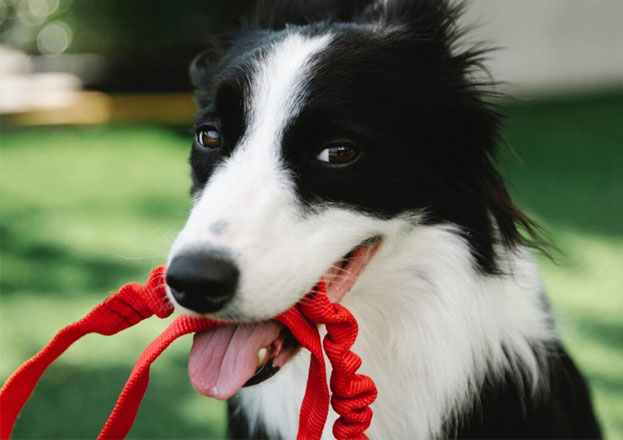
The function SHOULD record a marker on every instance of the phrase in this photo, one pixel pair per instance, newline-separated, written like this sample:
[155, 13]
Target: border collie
[353, 140]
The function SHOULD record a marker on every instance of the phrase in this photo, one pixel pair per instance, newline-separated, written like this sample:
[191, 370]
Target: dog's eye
[209, 137]
[340, 154]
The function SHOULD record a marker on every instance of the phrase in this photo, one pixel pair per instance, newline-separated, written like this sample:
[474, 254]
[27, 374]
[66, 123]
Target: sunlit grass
[585, 290]
[85, 210]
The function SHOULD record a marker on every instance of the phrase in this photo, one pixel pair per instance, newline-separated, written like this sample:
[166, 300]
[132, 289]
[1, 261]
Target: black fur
[405, 93]
[505, 409]
[238, 427]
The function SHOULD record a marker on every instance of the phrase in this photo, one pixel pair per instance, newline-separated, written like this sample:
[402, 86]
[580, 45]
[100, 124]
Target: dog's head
[323, 131]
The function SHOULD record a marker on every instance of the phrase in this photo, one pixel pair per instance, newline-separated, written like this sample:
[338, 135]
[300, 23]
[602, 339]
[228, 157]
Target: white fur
[430, 324]
[430, 327]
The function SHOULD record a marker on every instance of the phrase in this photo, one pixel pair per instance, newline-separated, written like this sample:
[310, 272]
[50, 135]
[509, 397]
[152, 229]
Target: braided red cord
[352, 393]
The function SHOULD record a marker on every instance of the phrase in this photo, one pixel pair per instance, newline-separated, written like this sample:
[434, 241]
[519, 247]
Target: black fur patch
[505, 409]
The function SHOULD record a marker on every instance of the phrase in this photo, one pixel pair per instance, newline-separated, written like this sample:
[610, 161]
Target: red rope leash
[352, 393]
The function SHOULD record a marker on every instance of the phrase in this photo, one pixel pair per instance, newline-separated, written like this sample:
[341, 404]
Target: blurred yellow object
[100, 108]
[160, 108]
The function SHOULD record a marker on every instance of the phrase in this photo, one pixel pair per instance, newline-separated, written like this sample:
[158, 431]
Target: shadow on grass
[608, 333]
[73, 402]
[41, 266]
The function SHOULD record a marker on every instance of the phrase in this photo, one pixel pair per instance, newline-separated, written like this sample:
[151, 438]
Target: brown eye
[338, 154]
[209, 138]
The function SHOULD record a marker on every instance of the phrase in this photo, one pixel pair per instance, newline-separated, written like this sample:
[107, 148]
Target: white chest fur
[430, 328]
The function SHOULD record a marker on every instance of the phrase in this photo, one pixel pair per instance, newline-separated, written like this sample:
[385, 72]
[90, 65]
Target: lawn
[84, 210]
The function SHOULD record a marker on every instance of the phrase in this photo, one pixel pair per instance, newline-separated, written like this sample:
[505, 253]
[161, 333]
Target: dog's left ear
[202, 70]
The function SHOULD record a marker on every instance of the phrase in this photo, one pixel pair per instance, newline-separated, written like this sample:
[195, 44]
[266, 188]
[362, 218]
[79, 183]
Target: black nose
[202, 282]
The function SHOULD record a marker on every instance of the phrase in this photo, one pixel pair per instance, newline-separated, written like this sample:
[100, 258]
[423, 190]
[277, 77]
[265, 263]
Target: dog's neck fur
[432, 329]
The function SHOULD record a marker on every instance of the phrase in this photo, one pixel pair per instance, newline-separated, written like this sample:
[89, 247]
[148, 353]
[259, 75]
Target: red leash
[352, 393]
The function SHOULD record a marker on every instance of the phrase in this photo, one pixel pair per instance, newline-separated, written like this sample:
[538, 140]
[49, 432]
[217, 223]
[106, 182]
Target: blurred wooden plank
[163, 108]
[84, 108]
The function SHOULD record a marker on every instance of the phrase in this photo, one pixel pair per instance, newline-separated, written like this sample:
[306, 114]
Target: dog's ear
[229, 16]
[203, 65]
[276, 14]
[202, 70]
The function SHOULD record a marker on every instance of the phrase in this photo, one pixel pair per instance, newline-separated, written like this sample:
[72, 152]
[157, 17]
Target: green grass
[84, 210]
[567, 171]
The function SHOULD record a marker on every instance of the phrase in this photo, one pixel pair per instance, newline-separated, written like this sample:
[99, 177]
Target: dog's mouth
[226, 359]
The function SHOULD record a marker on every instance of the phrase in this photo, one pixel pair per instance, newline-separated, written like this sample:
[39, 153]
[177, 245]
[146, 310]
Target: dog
[355, 141]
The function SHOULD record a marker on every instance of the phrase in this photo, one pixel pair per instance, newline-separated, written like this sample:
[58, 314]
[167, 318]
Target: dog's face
[274, 166]
[312, 140]
[315, 145]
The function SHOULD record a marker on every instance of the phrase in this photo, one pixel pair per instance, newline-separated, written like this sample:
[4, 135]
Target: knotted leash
[352, 393]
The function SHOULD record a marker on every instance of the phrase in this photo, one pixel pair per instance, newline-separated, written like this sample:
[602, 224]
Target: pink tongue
[222, 360]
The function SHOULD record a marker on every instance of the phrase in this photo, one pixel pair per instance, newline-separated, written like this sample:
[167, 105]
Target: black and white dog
[353, 140]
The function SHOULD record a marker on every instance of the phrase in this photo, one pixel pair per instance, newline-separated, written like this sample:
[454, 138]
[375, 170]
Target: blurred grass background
[86, 209]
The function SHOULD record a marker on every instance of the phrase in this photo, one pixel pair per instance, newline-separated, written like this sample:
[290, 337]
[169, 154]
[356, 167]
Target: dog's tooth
[261, 356]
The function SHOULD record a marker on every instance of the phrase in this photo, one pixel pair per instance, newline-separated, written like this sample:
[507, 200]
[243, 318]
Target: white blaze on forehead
[250, 191]
[278, 89]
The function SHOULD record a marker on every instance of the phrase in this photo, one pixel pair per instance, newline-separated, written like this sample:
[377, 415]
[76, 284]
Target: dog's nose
[202, 282]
